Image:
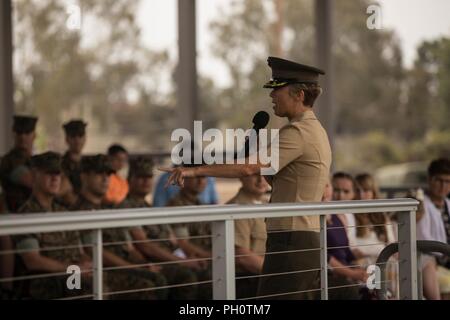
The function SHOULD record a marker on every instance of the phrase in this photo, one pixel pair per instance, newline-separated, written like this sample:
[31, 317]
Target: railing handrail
[112, 218]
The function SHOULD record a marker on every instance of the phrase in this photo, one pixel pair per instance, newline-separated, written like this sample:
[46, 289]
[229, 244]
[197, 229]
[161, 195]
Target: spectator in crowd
[34, 256]
[434, 225]
[6, 259]
[95, 172]
[345, 189]
[372, 227]
[75, 133]
[328, 192]
[15, 173]
[140, 178]
[188, 196]
[250, 236]
[340, 255]
[194, 239]
[163, 195]
[118, 186]
[374, 230]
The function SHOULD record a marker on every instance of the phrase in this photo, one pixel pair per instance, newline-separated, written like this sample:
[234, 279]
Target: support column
[325, 107]
[6, 76]
[186, 73]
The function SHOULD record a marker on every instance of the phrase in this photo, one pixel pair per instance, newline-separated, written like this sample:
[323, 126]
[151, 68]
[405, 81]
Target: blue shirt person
[161, 195]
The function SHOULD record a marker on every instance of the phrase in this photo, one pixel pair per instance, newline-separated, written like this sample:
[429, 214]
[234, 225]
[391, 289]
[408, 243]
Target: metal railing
[222, 220]
[423, 246]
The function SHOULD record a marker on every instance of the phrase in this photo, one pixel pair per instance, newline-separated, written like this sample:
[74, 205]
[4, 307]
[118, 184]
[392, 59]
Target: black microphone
[260, 121]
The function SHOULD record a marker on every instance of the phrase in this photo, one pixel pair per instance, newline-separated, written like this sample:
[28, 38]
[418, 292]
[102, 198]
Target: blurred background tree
[382, 106]
[387, 113]
[64, 73]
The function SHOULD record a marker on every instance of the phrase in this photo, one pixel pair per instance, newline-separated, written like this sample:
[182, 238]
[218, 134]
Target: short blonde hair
[311, 91]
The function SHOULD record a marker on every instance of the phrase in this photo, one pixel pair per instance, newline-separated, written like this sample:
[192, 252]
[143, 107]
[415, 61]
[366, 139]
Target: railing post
[323, 258]
[407, 252]
[419, 277]
[97, 257]
[223, 260]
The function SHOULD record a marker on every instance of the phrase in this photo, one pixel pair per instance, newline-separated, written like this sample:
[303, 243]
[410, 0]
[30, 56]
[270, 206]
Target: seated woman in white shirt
[375, 230]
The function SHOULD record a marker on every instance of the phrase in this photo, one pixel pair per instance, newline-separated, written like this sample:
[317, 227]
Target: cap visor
[274, 84]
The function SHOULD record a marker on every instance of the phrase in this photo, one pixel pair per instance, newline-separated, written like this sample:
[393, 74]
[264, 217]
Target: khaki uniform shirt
[304, 168]
[249, 233]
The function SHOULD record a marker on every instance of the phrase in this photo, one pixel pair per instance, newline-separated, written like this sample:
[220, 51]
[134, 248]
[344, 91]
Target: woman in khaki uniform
[303, 169]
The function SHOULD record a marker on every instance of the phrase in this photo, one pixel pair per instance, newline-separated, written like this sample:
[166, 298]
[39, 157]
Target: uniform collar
[137, 199]
[35, 200]
[307, 115]
[190, 197]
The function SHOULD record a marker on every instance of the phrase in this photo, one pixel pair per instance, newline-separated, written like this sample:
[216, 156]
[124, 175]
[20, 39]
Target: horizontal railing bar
[102, 219]
[363, 226]
[362, 265]
[77, 297]
[157, 288]
[358, 245]
[291, 251]
[149, 264]
[116, 243]
[358, 285]
[346, 227]
[47, 249]
[279, 294]
[40, 276]
[277, 274]
[250, 254]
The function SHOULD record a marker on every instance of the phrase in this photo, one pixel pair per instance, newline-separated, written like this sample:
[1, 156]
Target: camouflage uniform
[51, 287]
[191, 230]
[14, 164]
[5, 261]
[71, 168]
[124, 279]
[174, 273]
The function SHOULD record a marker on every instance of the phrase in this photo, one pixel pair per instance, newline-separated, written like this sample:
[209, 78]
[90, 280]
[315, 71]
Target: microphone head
[260, 120]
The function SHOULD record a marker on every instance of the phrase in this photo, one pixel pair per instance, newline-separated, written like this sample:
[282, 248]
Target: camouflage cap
[286, 72]
[141, 167]
[75, 128]
[49, 162]
[97, 164]
[24, 124]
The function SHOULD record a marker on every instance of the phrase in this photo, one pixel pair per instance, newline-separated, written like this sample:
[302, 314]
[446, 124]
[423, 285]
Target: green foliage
[368, 151]
[386, 113]
[64, 73]
[382, 107]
